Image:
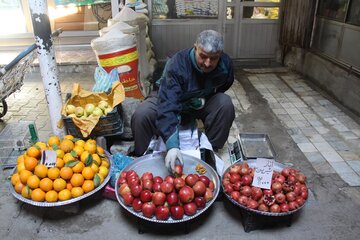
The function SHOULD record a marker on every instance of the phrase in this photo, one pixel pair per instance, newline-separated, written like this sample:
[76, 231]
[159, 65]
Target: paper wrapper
[81, 97]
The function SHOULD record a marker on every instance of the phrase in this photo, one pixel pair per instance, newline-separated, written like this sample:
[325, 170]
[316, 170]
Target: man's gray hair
[210, 41]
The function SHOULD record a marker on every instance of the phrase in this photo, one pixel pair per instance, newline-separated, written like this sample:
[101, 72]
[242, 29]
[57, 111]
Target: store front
[250, 28]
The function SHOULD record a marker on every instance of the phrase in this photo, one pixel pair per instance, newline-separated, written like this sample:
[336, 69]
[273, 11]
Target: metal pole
[46, 56]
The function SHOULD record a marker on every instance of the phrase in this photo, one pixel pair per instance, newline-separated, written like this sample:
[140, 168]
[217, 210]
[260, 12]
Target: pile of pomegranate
[288, 189]
[165, 197]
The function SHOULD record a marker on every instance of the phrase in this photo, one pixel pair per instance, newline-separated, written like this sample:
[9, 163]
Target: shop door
[252, 28]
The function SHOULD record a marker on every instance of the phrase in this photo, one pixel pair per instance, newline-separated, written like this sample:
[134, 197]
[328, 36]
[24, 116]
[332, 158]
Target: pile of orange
[81, 166]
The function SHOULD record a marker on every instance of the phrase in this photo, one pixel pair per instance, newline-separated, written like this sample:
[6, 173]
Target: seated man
[192, 87]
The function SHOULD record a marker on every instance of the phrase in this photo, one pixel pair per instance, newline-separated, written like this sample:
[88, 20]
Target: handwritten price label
[48, 158]
[263, 173]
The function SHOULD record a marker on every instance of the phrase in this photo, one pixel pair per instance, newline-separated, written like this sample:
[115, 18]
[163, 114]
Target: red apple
[148, 209]
[145, 196]
[128, 199]
[212, 185]
[137, 204]
[147, 184]
[179, 183]
[166, 187]
[186, 194]
[177, 212]
[158, 179]
[136, 190]
[147, 176]
[191, 179]
[162, 213]
[208, 195]
[190, 208]
[124, 188]
[131, 174]
[158, 198]
[169, 179]
[172, 199]
[121, 180]
[157, 187]
[205, 180]
[123, 174]
[178, 170]
[199, 189]
[200, 202]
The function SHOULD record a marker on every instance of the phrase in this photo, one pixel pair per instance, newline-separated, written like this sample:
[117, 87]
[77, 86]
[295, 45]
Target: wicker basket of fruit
[145, 189]
[287, 195]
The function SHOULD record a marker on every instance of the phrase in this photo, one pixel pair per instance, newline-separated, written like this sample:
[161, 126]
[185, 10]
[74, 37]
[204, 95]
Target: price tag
[48, 158]
[263, 173]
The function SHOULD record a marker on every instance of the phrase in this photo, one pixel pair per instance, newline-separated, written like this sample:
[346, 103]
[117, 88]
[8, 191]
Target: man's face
[206, 61]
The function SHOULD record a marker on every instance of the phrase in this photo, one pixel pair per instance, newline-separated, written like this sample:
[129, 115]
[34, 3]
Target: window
[354, 13]
[333, 9]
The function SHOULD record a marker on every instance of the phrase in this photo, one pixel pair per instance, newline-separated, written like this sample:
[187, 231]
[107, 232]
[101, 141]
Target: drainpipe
[46, 56]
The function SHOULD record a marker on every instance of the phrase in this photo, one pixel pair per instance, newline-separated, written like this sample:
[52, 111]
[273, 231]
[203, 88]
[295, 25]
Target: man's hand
[170, 159]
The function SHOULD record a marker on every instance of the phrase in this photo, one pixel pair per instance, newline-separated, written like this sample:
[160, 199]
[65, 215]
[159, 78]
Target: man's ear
[195, 47]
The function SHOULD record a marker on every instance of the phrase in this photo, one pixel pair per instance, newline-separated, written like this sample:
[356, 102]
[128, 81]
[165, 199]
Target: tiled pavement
[326, 135]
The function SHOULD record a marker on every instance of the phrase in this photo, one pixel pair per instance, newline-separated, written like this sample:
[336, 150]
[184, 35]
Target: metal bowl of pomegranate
[146, 189]
[287, 195]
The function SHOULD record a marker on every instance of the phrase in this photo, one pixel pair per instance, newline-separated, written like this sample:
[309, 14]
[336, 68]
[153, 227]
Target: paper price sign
[48, 158]
[263, 173]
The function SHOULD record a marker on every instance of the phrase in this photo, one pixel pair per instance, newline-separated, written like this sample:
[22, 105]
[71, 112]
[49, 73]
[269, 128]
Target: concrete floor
[308, 130]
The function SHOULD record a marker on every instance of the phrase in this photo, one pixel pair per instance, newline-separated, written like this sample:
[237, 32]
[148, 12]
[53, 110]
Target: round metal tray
[277, 167]
[155, 164]
[61, 203]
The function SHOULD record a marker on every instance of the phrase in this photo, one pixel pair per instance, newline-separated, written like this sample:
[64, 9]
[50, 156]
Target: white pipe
[47, 62]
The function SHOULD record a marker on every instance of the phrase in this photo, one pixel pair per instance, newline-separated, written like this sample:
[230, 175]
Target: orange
[38, 195]
[68, 157]
[59, 184]
[88, 173]
[30, 163]
[20, 167]
[46, 184]
[94, 167]
[26, 192]
[66, 173]
[101, 177]
[77, 180]
[59, 153]
[70, 137]
[18, 187]
[64, 195]
[90, 147]
[84, 156]
[88, 186]
[78, 167]
[103, 171]
[96, 159]
[105, 163]
[59, 163]
[100, 150]
[77, 192]
[69, 186]
[80, 143]
[41, 171]
[53, 173]
[33, 152]
[53, 140]
[41, 145]
[51, 196]
[91, 141]
[66, 145]
[79, 150]
[20, 159]
[33, 182]
[15, 178]
[24, 175]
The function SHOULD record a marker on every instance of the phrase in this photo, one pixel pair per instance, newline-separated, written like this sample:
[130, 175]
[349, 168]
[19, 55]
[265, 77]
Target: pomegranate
[276, 187]
[267, 192]
[177, 212]
[287, 187]
[148, 209]
[300, 201]
[297, 189]
[280, 198]
[234, 177]
[237, 186]
[244, 169]
[252, 204]
[284, 207]
[285, 172]
[199, 189]
[269, 200]
[186, 194]
[243, 200]
[279, 178]
[190, 208]
[291, 180]
[227, 176]
[235, 168]
[246, 180]
[235, 195]
[275, 208]
[263, 207]
[162, 213]
[303, 188]
[228, 188]
[158, 198]
[290, 196]
[301, 177]
[256, 193]
[246, 191]
[304, 194]
[293, 205]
